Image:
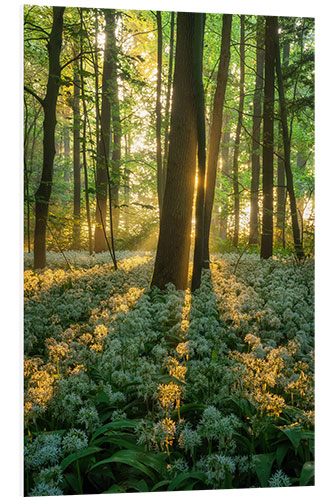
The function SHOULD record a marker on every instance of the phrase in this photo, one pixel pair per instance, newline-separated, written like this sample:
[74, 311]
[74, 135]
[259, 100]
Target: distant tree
[266, 249]
[43, 193]
[172, 256]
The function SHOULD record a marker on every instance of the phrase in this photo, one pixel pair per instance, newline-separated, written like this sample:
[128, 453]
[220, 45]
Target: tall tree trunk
[281, 177]
[84, 142]
[199, 95]
[159, 114]
[43, 193]
[167, 105]
[266, 249]
[172, 256]
[117, 132]
[76, 156]
[238, 131]
[103, 147]
[286, 144]
[215, 132]
[254, 209]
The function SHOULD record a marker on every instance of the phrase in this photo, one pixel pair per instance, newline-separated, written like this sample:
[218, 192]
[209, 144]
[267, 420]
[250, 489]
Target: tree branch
[39, 99]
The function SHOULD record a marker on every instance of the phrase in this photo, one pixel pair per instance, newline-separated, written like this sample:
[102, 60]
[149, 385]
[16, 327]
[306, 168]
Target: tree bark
[286, 145]
[215, 132]
[257, 111]
[238, 131]
[172, 256]
[199, 95]
[266, 249]
[42, 195]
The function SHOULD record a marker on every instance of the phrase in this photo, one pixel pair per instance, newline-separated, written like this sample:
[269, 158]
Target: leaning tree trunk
[215, 132]
[43, 193]
[254, 209]
[266, 249]
[172, 256]
[103, 147]
[199, 24]
[238, 132]
[286, 145]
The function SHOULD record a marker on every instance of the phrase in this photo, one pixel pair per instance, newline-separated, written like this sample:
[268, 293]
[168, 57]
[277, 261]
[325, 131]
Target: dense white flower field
[132, 389]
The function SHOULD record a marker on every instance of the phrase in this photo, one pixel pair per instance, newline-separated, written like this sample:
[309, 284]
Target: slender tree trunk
[281, 177]
[238, 131]
[172, 256]
[117, 132]
[26, 173]
[266, 249]
[225, 174]
[254, 209]
[42, 195]
[167, 105]
[159, 114]
[199, 24]
[76, 156]
[84, 144]
[96, 70]
[286, 144]
[67, 176]
[103, 147]
[215, 132]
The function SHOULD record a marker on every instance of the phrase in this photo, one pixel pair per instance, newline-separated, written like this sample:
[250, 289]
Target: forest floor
[132, 389]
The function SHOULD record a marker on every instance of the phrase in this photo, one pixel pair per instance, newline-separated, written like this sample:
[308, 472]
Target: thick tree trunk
[159, 114]
[281, 177]
[42, 195]
[76, 156]
[172, 256]
[254, 209]
[215, 131]
[103, 147]
[286, 144]
[199, 24]
[238, 132]
[266, 249]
